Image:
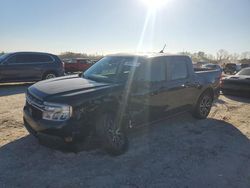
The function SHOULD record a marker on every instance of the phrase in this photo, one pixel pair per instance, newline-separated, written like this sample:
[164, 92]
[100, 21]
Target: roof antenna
[162, 51]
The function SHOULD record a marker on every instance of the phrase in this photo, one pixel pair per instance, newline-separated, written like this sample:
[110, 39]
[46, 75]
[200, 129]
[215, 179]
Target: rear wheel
[113, 137]
[203, 106]
[49, 75]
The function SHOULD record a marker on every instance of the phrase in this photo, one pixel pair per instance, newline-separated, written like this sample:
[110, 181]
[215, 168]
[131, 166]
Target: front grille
[34, 112]
[34, 99]
[34, 106]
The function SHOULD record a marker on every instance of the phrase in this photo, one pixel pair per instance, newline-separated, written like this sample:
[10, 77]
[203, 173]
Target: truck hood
[68, 87]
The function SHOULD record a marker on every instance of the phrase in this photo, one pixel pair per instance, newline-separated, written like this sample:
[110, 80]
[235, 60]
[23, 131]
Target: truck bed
[209, 76]
[208, 73]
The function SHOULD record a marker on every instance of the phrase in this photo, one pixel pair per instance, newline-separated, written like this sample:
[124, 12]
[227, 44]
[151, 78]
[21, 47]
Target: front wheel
[203, 106]
[113, 137]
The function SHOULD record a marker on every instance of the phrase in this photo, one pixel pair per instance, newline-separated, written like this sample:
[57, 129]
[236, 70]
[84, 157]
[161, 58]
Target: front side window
[29, 58]
[152, 72]
[17, 59]
[178, 70]
[2, 57]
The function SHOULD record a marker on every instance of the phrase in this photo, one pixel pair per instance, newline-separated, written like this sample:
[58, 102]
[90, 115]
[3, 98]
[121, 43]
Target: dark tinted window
[41, 58]
[29, 58]
[178, 70]
[85, 61]
[12, 60]
[152, 72]
[17, 59]
[2, 57]
[82, 61]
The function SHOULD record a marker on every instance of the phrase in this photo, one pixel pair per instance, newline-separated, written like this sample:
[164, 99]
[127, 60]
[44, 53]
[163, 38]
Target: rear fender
[209, 90]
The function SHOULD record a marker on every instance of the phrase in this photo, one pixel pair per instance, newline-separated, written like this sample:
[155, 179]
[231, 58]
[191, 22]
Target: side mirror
[80, 75]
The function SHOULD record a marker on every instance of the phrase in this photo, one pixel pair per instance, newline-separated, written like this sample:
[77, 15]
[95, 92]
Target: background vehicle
[238, 84]
[232, 68]
[117, 93]
[212, 66]
[77, 65]
[29, 66]
[244, 65]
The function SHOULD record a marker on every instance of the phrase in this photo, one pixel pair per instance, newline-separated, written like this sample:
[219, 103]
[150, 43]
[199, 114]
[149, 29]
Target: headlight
[56, 112]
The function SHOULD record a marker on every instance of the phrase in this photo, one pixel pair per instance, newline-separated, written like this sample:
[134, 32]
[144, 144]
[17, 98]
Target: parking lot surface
[178, 152]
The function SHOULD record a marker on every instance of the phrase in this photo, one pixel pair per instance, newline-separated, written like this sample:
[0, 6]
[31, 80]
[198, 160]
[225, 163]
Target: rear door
[180, 90]
[37, 64]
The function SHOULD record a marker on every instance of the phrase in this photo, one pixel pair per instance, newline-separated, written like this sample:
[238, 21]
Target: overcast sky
[110, 26]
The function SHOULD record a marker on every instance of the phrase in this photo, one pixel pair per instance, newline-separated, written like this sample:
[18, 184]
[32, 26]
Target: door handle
[154, 93]
[185, 85]
[189, 84]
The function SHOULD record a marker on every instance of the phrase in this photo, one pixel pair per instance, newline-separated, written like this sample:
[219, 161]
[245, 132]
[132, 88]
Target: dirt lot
[179, 152]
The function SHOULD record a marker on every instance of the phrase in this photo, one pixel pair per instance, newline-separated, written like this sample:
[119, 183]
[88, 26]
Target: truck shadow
[13, 89]
[181, 152]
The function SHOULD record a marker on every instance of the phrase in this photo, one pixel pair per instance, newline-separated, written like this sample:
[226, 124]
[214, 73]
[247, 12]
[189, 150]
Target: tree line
[222, 56]
[72, 55]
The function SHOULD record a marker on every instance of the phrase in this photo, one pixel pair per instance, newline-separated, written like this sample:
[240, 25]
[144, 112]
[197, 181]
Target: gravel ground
[178, 152]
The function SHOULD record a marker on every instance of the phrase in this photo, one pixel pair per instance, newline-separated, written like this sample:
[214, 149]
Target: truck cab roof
[148, 55]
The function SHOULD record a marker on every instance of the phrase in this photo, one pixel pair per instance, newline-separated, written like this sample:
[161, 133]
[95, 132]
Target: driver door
[147, 93]
[10, 70]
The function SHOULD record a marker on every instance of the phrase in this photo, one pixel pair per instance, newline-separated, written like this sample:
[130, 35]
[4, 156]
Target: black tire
[49, 75]
[203, 106]
[113, 138]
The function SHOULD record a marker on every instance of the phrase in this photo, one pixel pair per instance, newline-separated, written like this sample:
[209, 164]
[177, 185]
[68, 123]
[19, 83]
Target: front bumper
[54, 134]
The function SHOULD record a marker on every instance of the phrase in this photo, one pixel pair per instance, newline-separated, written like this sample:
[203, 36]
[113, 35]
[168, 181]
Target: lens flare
[154, 4]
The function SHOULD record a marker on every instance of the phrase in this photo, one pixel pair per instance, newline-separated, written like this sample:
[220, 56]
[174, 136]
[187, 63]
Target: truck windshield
[112, 69]
[244, 72]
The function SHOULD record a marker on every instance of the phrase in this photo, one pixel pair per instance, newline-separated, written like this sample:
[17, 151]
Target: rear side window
[40, 58]
[82, 61]
[178, 70]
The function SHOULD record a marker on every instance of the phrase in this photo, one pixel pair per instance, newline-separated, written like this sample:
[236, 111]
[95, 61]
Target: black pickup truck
[119, 92]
